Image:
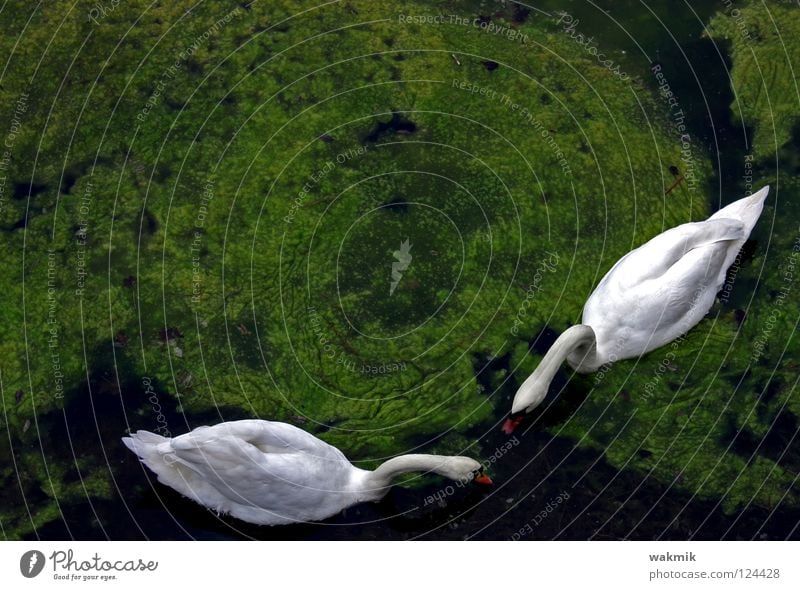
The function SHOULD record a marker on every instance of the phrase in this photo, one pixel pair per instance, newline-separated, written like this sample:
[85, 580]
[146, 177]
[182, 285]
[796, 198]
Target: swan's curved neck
[385, 474]
[578, 339]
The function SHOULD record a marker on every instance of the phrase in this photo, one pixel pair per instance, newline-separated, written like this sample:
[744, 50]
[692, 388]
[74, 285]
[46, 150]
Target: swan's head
[529, 397]
[462, 469]
[576, 341]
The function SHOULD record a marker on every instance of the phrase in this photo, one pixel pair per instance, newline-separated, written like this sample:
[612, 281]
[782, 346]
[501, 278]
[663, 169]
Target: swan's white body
[650, 297]
[274, 473]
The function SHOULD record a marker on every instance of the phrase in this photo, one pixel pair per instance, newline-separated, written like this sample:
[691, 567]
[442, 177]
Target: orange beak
[510, 425]
[483, 479]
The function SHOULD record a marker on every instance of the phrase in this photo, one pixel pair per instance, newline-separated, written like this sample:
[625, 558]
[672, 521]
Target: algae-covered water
[371, 219]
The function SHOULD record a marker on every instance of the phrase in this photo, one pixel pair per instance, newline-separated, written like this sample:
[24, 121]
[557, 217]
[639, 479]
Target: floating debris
[673, 186]
[185, 379]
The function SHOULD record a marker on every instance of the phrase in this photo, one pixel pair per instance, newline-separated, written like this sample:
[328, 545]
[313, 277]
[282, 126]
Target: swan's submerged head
[463, 469]
[524, 402]
[529, 396]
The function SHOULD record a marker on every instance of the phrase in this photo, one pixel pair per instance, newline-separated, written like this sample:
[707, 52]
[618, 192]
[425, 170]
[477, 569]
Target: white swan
[274, 473]
[650, 296]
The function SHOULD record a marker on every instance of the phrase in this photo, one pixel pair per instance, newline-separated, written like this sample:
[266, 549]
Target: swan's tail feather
[153, 450]
[156, 452]
[747, 210]
[145, 444]
[144, 437]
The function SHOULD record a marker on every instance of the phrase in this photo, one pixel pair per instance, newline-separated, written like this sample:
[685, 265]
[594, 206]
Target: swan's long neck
[385, 474]
[578, 339]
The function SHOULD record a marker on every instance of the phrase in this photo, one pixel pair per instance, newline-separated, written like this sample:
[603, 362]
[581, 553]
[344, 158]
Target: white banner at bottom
[397, 565]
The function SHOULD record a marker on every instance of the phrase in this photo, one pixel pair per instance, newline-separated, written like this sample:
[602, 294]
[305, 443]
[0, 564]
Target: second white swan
[650, 297]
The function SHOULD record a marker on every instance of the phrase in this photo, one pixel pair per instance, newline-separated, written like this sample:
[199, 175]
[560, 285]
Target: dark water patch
[749, 248]
[78, 169]
[737, 290]
[174, 104]
[773, 388]
[24, 189]
[568, 391]
[162, 173]
[775, 445]
[520, 13]
[149, 223]
[705, 99]
[789, 154]
[330, 425]
[169, 334]
[543, 341]
[396, 205]
[396, 125]
[194, 67]
[56, 530]
[68, 182]
[484, 364]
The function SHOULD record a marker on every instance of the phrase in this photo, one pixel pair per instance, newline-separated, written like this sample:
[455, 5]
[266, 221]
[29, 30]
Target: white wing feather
[660, 290]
